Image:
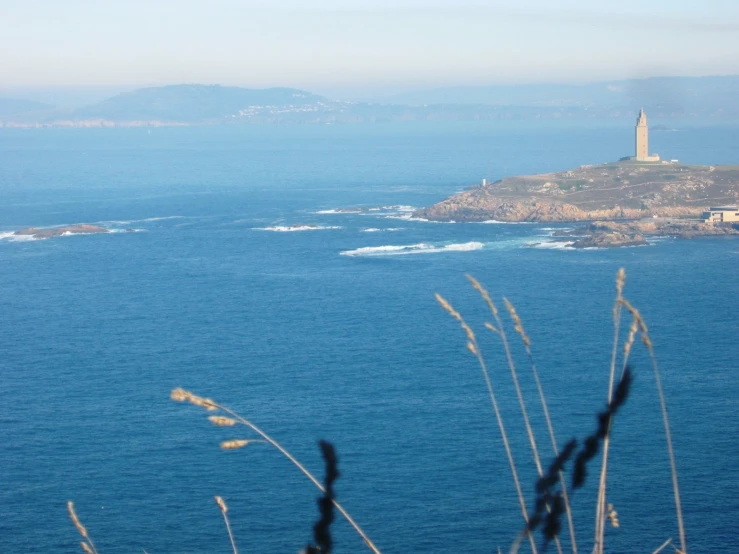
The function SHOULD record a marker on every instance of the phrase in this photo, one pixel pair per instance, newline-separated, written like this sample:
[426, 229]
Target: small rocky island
[82, 229]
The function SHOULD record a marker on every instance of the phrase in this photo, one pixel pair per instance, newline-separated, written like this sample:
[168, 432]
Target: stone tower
[642, 137]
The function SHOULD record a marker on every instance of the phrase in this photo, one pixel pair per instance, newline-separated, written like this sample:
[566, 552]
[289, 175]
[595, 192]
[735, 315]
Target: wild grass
[551, 502]
[553, 498]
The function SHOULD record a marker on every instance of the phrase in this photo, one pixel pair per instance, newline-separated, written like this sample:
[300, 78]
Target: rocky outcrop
[609, 240]
[610, 234]
[82, 229]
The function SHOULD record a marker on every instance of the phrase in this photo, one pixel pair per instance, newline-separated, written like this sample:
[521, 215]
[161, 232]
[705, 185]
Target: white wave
[496, 222]
[420, 248]
[410, 217]
[128, 222]
[11, 236]
[550, 245]
[339, 211]
[377, 230]
[296, 228]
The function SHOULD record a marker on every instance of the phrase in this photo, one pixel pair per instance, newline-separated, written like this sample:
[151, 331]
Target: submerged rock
[609, 240]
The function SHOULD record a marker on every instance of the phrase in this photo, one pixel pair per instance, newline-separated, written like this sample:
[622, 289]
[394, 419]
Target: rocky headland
[82, 229]
[626, 201]
[621, 190]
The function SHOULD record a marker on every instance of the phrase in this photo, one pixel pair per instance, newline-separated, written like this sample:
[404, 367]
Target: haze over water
[243, 284]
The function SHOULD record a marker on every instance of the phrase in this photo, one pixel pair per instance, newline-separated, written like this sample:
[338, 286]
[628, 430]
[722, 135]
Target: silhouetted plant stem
[322, 529]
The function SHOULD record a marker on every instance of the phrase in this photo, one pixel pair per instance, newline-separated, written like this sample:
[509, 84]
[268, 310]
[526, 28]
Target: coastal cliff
[621, 190]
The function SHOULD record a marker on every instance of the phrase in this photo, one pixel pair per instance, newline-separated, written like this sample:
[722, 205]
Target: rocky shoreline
[612, 234]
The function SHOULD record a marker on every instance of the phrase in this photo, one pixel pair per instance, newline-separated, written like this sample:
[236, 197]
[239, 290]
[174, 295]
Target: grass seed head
[221, 504]
[484, 293]
[222, 421]
[77, 523]
[181, 395]
[491, 327]
[86, 547]
[620, 281]
[517, 324]
[234, 444]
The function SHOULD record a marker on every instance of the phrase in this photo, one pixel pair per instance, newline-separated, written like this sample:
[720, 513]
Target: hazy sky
[332, 45]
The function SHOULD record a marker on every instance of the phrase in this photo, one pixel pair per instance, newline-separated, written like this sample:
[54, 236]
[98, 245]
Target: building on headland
[642, 140]
[721, 214]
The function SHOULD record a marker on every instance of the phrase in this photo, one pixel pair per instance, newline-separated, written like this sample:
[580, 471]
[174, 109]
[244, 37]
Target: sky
[359, 47]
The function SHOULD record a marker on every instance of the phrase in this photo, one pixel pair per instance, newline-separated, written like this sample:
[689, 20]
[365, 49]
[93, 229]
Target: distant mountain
[10, 107]
[194, 103]
[662, 97]
[669, 95]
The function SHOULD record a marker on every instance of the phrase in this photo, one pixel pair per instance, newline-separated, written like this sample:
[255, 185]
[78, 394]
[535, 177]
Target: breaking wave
[377, 230]
[340, 211]
[550, 245]
[148, 219]
[420, 248]
[11, 236]
[496, 222]
[296, 228]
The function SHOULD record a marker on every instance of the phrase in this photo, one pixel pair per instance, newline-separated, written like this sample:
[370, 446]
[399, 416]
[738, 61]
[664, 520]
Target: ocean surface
[244, 278]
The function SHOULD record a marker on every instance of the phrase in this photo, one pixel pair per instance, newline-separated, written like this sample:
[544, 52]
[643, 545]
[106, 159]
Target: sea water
[279, 271]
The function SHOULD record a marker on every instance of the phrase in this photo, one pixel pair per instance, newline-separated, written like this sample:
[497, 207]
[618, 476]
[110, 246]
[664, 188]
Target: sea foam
[296, 228]
[420, 248]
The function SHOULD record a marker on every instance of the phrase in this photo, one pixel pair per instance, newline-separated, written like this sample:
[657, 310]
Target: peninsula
[627, 189]
[649, 196]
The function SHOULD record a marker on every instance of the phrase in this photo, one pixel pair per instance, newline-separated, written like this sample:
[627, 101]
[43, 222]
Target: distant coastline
[713, 98]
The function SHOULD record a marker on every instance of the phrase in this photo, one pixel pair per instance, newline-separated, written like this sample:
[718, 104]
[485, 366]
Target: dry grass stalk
[472, 347]
[644, 331]
[663, 546]
[600, 509]
[87, 544]
[512, 366]
[181, 395]
[224, 510]
[518, 325]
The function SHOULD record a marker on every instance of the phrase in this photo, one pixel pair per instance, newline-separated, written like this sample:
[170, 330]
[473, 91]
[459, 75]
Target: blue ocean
[278, 270]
